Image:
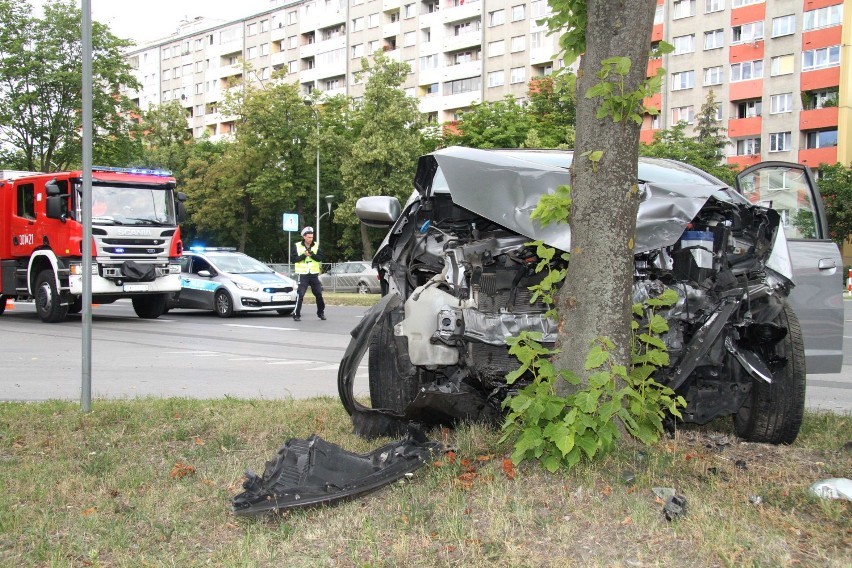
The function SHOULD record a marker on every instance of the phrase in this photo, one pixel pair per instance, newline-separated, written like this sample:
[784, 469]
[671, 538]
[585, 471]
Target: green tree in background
[41, 88]
[494, 124]
[167, 142]
[386, 129]
[835, 185]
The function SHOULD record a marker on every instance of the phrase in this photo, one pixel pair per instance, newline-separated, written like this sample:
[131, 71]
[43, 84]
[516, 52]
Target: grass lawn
[148, 482]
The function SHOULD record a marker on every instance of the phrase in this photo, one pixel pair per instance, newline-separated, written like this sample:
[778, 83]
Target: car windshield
[113, 205]
[239, 264]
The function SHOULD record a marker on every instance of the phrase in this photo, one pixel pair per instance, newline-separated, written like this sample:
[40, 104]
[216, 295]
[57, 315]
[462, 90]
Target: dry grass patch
[149, 481]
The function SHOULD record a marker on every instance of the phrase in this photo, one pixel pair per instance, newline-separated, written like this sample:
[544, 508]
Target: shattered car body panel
[459, 266]
[311, 472]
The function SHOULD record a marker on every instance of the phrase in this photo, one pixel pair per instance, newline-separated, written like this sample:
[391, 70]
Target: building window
[683, 114]
[748, 147]
[821, 139]
[684, 44]
[750, 109]
[431, 89]
[714, 75]
[167, 74]
[431, 7]
[655, 122]
[536, 40]
[714, 39]
[199, 88]
[718, 111]
[496, 18]
[496, 78]
[466, 28]
[517, 75]
[539, 8]
[357, 24]
[373, 46]
[251, 29]
[373, 20]
[463, 57]
[747, 33]
[292, 42]
[264, 26]
[683, 9]
[462, 86]
[711, 6]
[821, 58]
[409, 39]
[518, 43]
[332, 84]
[821, 99]
[496, 48]
[738, 3]
[784, 25]
[429, 62]
[264, 49]
[292, 67]
[780, 141]
[408, 11]
[251, 53]
[292, 17]
[782, 65]
[517, 13]
[823, 17]
[746, 71]
[199, 44]
[427, 34]
[683, 80]
[659, 13]
[781, 103]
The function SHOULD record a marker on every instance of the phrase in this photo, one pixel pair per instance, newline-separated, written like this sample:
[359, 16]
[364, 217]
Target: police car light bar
[202, 248]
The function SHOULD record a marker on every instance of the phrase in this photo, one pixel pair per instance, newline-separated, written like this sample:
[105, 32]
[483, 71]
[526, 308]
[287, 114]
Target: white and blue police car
[226, 281]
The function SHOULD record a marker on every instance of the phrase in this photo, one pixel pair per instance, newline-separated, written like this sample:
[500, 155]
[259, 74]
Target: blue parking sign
[291, 222]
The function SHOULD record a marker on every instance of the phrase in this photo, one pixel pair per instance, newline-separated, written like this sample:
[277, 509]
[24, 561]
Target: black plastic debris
[312, 472]
[675, 507]
[741, 464]
[628, 477]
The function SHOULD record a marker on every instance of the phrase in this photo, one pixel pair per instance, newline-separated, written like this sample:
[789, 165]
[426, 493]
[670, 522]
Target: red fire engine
[136, 244]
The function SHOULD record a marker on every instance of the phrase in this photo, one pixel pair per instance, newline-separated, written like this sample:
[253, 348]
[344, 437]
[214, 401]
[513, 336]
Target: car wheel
[223, 304]
[363, 288]
[47, 300]
[285, 312]
[773, 412]
[149, 306]
[394, 381]
[2, 304]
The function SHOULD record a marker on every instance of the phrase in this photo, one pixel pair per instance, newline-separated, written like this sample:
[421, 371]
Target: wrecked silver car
[456, 266]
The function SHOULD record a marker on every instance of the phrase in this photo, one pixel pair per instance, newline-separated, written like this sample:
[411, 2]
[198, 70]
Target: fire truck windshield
[132, 206]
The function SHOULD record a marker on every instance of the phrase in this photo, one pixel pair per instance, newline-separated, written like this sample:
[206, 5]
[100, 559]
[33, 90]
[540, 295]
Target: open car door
[791, 190]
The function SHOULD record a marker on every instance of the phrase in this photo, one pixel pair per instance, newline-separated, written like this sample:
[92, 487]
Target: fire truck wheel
[2, 304]
[76, 307]
[223, 304]
[150, 306]
[48, 303]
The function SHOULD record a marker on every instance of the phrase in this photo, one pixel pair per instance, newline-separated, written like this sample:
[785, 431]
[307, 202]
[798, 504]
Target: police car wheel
[223, 304]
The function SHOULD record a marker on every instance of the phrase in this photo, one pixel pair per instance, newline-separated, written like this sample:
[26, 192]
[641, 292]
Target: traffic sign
[291, 222]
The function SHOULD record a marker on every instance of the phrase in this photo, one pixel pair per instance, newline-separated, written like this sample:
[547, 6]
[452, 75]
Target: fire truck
[136, 243]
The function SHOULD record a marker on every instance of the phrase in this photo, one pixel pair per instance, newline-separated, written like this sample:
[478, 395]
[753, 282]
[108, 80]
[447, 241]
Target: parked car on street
[755, 272]
[229, 282]
[353, 276]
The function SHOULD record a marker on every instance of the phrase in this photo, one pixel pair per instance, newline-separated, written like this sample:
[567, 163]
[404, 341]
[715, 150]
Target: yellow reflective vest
[308, 265]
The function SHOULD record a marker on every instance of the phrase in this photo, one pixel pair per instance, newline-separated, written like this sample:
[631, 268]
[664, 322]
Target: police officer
[308, 266]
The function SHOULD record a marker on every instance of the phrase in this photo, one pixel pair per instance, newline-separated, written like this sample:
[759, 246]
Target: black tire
[773, 412]
[2, 304]
[223, 304]
[47, 299]
[149, 306]
[394, 381]
[76, 307]
[363, 288]
[285, 312]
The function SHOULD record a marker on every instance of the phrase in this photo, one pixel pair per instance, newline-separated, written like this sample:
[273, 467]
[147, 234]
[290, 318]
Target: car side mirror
[378, 211]
[204, 273]
[54, 201]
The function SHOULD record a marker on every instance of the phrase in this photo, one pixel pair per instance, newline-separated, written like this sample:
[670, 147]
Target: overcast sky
[143, 20]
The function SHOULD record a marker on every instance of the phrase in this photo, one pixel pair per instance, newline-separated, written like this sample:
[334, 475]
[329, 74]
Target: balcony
[391, 5]
[818, 118]
[461, 100]
[454, 43]
[819, 79]
[460, 13]
[429, 76]
[744, 161]
[740, 90]
[462, 70]
[747, 51]
[327, 70]
[813, 157]
[742, 127]
[391, 29]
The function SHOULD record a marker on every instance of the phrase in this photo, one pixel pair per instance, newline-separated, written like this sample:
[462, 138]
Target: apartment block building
[459, 52]
[779, 69]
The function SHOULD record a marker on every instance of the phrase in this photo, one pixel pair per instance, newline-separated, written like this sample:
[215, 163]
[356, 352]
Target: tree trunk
[596, 298]
[365, 243]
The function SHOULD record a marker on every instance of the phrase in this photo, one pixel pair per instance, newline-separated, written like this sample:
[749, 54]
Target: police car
[226, 281]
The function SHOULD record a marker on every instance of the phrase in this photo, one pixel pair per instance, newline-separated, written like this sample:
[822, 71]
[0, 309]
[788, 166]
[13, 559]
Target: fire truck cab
[136, 243]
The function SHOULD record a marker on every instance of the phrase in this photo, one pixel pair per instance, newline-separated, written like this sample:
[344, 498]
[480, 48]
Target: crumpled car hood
[506, 189]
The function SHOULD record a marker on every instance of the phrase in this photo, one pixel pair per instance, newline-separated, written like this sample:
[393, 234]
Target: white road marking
[262, 327]
[294, 362]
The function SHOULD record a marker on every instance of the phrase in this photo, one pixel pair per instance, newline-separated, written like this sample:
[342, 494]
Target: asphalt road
[195, 354]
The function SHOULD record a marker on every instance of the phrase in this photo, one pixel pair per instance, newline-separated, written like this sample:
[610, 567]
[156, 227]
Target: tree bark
[596, 298]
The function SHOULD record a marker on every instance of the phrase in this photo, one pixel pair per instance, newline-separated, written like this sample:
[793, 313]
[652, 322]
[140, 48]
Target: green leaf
[597, 357]
[587, 443]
